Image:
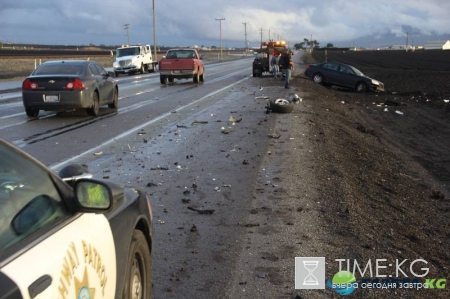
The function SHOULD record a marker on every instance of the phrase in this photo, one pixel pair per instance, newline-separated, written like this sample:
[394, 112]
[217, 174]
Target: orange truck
[181, 64]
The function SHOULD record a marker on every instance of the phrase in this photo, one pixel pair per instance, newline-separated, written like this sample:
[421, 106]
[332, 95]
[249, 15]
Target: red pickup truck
[181, 64]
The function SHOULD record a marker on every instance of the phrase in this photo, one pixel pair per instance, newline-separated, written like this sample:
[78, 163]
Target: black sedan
[68, 85]
[68, 235]
[343, 75]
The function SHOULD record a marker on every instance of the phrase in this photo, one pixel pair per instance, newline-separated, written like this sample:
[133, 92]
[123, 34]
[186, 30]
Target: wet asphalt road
[203, 154]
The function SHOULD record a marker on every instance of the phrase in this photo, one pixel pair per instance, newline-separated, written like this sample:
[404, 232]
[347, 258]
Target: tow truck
[261, 63]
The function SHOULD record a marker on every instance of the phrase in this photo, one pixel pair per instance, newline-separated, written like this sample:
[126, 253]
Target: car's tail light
[307, 66]
[75, 84]
[28, 85]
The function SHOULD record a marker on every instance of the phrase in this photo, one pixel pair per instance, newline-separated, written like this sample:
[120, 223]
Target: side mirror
[164, 57]
[93, 195]
[37, 211]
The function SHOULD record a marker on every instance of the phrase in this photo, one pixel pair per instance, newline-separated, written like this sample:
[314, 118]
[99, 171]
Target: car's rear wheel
[202, 76]
[138, 283]
[361, 87]
[93, 111]
[318, 78]
[163, 79]
[115, 102]
[196, 78]
[171, 79]
[32, 112]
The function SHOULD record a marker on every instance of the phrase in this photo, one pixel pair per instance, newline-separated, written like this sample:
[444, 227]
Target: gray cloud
[180, 22]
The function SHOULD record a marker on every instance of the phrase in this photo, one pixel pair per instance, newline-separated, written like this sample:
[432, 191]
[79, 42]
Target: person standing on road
[289, 66]
[274, 65]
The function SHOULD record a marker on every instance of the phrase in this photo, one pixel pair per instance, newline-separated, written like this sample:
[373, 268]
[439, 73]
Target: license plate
[51, 98]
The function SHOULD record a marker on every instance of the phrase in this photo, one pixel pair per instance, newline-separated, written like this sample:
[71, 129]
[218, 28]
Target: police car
[68, 235]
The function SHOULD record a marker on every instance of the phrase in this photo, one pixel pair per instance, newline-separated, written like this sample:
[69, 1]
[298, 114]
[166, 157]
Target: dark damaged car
[343, 75]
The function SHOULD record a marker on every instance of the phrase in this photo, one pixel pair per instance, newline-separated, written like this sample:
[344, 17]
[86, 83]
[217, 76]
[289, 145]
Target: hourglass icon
[310, 279]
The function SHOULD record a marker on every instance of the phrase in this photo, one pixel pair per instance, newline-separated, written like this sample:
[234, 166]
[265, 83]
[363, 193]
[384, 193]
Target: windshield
[28, 191]
[62, 68]
[128, 52]
[358, 72]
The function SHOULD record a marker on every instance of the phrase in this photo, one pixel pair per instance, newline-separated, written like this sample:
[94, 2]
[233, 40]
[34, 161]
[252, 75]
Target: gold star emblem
[82, 290]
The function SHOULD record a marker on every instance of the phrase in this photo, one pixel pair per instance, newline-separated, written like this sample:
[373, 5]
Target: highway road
[142, 101]
[203, 153]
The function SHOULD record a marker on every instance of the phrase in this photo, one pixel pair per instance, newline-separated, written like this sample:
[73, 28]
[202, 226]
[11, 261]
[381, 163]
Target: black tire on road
[361, 87]
[115, 102]
[274, 107]
[202, 76]
[93, 111]
[142, 69]
[32, 112]
[318, 78]
[196, 78]
[163, 79]
[171, 79]
[138, 282]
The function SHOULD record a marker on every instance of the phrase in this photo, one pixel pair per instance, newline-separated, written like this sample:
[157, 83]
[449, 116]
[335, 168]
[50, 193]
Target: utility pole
[261, 32]
[407, 33]
[220, 34]
[154, 34]
[246, 44]
[126, 26]
[269, 35]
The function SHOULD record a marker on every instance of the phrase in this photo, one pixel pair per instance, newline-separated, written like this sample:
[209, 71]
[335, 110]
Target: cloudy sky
[182, 23]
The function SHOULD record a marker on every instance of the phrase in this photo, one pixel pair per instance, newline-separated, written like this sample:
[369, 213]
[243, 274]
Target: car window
[94, 71]
[345, 69]
[59, 69]
[29, 200]
[101, 70]
[331, 66]
[181, 54]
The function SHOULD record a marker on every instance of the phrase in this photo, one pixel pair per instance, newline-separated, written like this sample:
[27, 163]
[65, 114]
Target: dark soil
[383, 160]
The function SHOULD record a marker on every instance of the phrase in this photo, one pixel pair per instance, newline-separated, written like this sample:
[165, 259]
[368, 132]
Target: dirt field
[384, 161]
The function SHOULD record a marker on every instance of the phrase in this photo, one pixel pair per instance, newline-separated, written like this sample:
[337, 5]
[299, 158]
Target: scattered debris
[274, 136]
[185, 200]
[391, 103]
[98, 154]
[234, 120]
[194, 228]
[205, 212]
[226, 186]
[261, 98]
[160, 168]
[202, 122]
[186, 192]
[399, 112]
[251, 224]
[227, 130]
[446, 101]
[151, 184]
[245, 162]
[181, 126]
